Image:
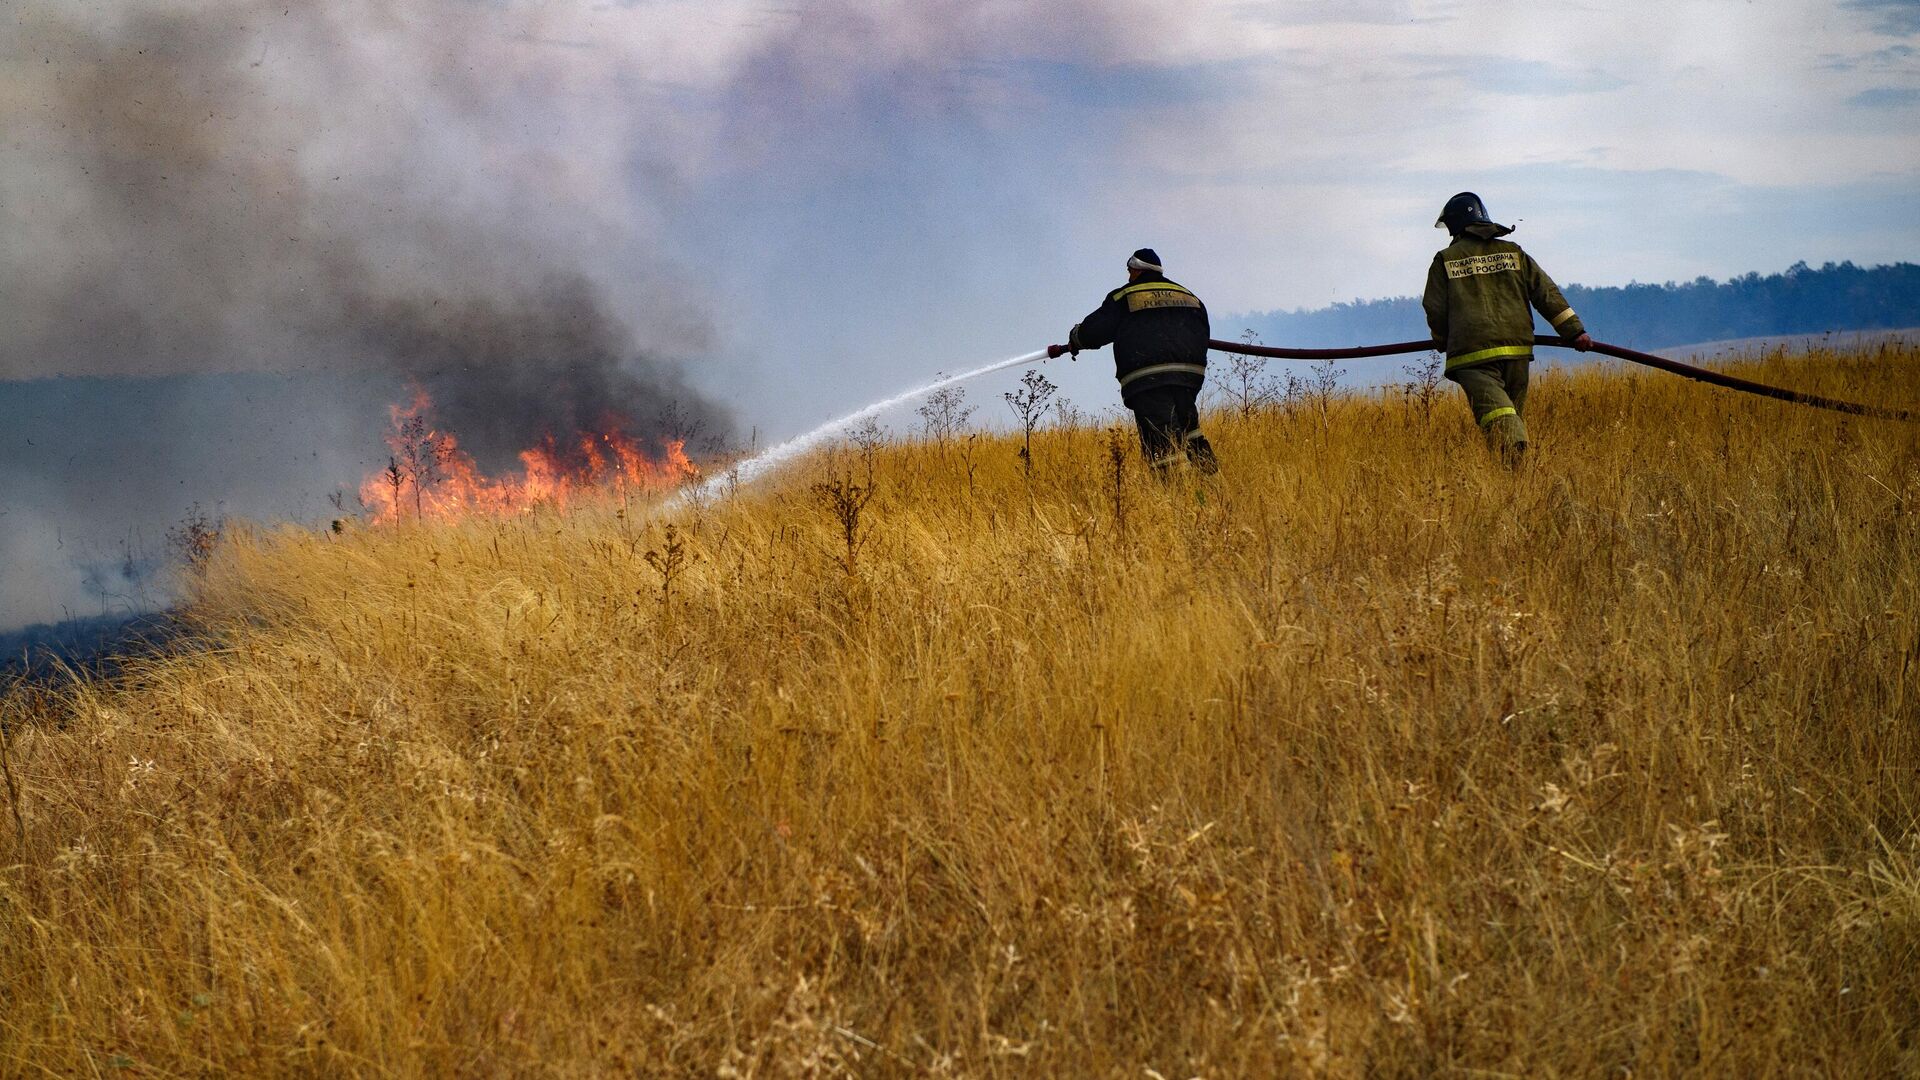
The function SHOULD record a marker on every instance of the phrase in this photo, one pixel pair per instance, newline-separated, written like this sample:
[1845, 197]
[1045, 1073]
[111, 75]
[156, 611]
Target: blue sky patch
[1886, 97]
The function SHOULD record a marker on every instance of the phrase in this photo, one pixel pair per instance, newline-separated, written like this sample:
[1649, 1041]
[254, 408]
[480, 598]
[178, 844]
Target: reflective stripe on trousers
[1162, 369]
[1497, 396]
[1481, 356]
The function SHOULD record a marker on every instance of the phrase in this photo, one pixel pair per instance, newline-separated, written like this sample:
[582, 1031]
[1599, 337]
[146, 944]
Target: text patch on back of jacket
[1483, 264]
[1145, 299]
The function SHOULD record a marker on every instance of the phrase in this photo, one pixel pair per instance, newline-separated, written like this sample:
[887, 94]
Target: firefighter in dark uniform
[1481, 295]
[1158, 330]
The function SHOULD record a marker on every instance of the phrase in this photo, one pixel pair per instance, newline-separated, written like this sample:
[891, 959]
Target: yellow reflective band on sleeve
[1164, 369]
[1495, 353]
[1497, 414]
[1482, 264]
[1563, 317]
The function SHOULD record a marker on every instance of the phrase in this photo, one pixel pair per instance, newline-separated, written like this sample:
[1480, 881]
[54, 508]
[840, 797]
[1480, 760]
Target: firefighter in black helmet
[1480, 290]
[1158, 330]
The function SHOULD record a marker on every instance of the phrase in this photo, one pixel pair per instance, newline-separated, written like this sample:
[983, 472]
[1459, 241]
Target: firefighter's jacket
[1478, 298]
[1158, 330]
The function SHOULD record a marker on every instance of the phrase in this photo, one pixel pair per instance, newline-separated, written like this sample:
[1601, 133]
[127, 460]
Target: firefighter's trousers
[1497, 393]
[1169, 422]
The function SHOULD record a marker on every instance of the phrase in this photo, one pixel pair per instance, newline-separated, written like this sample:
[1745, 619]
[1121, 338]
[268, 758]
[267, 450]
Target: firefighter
[1158, 330]
[1478, 294]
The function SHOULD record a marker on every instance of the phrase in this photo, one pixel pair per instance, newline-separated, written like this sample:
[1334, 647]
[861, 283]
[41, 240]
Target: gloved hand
[1584, 342]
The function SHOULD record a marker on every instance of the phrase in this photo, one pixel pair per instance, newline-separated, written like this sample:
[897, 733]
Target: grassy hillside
[1366, 758]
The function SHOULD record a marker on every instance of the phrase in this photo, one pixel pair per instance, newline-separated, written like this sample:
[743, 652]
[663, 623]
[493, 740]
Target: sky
[788, 209]
[972, 177]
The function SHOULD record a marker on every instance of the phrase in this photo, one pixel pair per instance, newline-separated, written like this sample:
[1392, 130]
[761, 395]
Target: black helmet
[1463, 212]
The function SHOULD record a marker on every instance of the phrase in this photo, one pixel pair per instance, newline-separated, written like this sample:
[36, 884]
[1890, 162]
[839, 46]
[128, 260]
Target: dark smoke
[245, 188]
[236, 230]
[504, 374]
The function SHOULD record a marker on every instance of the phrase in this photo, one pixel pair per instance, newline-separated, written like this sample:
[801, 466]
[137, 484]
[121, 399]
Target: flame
[429, 478]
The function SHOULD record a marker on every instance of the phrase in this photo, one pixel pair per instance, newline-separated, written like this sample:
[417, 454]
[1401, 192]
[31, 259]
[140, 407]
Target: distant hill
[1829, 340]
[1799, 300]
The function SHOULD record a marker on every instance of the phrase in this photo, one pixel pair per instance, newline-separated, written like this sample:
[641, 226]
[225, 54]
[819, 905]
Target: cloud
[1515, 77]
[1896, 17]
[1889, 58]
[1356, 13]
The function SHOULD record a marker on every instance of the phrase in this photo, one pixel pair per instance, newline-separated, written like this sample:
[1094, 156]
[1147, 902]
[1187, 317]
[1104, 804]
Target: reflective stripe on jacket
[1158, 330]
[1480, 300]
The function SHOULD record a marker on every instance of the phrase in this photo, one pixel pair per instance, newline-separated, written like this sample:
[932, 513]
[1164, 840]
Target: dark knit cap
[1147, 256]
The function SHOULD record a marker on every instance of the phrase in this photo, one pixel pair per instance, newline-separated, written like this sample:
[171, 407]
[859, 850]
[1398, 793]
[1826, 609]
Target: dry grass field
[1365, 758]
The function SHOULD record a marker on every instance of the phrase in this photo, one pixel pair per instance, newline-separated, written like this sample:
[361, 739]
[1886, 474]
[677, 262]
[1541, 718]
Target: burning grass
[1367, 759]
[430, 478]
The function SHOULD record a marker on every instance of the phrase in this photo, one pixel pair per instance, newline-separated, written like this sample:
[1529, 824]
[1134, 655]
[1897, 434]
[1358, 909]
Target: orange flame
[429, 478]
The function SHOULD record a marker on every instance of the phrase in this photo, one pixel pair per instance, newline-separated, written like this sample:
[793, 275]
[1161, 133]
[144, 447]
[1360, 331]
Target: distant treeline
[1802, 300]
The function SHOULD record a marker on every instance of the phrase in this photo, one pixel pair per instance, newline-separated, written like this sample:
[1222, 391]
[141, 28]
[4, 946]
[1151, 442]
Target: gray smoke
[234, 230]
[336, 186]
[505, 373]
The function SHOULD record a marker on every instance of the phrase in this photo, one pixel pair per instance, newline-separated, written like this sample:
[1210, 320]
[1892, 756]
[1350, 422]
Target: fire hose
[1689, 371]
[773, 457]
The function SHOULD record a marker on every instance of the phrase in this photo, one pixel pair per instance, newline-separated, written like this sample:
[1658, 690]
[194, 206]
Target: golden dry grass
[1367, 758]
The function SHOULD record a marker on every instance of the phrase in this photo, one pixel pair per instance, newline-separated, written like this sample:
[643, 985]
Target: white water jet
[766, 461]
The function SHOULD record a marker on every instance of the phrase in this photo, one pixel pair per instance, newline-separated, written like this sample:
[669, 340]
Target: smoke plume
[235, 229]
[338, 186]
